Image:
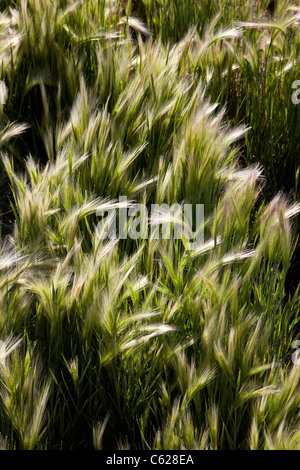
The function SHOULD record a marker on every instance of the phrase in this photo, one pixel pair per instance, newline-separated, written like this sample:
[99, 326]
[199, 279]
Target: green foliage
[145, 344]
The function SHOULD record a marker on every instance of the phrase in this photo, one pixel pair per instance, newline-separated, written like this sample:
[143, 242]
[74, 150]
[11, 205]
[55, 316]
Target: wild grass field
[142, 343]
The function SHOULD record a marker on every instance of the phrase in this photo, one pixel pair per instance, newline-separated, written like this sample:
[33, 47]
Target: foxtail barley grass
[144, 344]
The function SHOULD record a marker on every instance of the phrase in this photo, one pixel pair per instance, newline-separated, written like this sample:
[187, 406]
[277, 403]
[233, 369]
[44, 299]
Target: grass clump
[143, 343]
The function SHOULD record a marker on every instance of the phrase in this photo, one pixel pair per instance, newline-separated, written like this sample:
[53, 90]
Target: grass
[145, 344]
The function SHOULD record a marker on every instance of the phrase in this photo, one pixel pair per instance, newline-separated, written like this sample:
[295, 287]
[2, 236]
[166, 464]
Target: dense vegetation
[145, 344]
